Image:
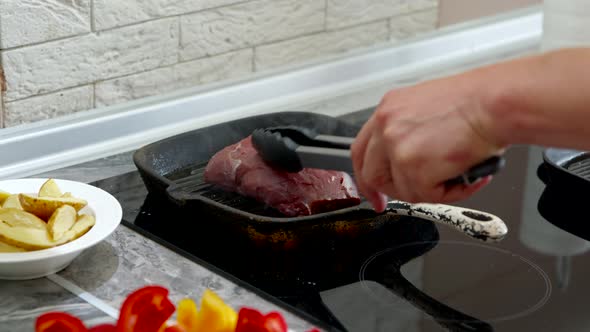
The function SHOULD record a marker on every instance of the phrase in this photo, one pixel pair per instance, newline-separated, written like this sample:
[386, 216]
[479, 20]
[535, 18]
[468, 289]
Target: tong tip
[276, 150]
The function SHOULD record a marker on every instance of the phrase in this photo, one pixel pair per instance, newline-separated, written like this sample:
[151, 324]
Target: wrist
[504, 101]
[500, 108]
[488, 108]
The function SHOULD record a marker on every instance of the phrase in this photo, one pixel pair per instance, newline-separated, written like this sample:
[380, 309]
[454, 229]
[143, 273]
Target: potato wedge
[3, 196]
[43, 207]
[50, 189]
[61, 221]
[82, 225]
[27, 238]
[12, 202]
[7, 248]
[19, 218]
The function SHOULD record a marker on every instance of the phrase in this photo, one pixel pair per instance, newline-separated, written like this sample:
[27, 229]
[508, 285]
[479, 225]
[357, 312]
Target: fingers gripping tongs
[292, 148]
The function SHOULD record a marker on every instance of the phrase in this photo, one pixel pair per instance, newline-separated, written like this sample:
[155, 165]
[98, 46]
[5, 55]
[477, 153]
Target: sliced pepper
[103, 328]
[59, 322]
[145, 310]
[252, 320]
[274, 322]
[175, 328]
[187, 315]
[214, 315]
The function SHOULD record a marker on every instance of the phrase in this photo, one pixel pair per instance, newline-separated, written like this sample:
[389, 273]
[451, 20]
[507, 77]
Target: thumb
[377, 199]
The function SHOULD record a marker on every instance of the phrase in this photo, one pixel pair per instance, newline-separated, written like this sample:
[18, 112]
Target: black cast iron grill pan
[173, 168]
[566, 167]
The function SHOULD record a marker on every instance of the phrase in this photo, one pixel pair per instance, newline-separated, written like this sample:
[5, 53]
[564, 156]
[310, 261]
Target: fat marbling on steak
[239, 168]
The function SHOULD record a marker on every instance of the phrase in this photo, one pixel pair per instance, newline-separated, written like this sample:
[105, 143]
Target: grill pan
[566, 167]
[565, 174]
[173, 168]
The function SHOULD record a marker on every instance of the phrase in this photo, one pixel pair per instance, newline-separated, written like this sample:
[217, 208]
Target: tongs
[292, 148]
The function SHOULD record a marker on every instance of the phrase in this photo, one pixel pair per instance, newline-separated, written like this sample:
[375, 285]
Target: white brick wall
[408, 25]
[249, 24]
[178, 76]
[114, 13]
[34, 21]
[85, 59]
[349, 12]
[48, 106]
[1, 111]
[65, 56]
[316, 45]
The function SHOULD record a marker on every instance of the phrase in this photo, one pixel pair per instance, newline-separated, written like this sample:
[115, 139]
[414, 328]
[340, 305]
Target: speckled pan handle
[479, 225]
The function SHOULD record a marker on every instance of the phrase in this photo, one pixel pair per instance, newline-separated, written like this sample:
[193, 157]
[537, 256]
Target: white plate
[39, 263]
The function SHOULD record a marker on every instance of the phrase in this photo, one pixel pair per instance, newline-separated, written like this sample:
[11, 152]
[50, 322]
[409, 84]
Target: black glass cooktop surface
[411, 275]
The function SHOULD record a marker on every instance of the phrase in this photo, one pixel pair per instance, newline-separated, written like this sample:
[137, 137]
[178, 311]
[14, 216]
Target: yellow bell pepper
[187, 314]
[214, 315]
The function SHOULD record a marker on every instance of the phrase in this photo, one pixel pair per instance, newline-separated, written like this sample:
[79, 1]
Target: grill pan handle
[476, 224]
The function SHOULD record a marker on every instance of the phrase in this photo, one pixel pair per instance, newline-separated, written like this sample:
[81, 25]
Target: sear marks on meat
[238, 168]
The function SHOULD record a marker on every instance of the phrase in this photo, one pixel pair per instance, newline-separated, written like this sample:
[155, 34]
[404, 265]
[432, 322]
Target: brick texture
[253, 23]
[179, 76]
[66, 56]
[33, 21]
[48, 106]
[319, 45]
[114, 13]
[80, 60]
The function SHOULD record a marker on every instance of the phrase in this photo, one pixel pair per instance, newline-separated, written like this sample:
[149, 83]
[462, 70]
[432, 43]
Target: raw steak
[239, 168]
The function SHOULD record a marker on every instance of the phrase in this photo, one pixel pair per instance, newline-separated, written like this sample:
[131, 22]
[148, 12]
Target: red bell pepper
[145, 310]
[59, 322]
[148, 308]
[175, 328]
[252, 320]
[104, 328]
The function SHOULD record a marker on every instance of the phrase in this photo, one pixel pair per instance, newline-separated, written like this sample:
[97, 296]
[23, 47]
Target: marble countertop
[95, 284]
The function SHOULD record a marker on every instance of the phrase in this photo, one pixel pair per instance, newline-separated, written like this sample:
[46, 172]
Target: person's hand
[421, 136]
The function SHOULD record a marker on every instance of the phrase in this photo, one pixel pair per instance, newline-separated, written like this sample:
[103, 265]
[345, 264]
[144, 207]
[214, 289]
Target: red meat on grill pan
[238, 168]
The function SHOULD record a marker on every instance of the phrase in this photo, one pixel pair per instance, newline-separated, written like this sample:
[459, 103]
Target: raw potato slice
[43, 207]
[12, 202]
[19, 218]
[27, 238]
[6, 248]
[49, 189]
[61, 221]
[83, 225]
[3, 196]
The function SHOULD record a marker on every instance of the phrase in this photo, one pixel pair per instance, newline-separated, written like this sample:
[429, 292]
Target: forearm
[541, 100]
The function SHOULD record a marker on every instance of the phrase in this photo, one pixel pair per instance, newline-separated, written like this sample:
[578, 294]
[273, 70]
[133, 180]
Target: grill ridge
[190, 181]
[580, 167]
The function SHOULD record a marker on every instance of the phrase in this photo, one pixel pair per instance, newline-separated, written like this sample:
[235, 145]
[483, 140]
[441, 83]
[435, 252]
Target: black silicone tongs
[292, 148]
